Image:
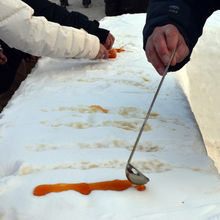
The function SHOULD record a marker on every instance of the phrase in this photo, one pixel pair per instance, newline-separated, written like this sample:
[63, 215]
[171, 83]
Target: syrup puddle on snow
[86, 188]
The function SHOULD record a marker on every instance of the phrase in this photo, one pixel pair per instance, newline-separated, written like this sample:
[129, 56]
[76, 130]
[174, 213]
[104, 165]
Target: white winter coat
[39, 37]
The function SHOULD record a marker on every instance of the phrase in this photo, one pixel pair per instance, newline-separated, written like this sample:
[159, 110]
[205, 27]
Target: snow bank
[201, 82]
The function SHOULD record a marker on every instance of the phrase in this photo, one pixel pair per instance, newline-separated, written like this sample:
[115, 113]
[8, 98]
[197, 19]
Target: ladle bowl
[135, 176]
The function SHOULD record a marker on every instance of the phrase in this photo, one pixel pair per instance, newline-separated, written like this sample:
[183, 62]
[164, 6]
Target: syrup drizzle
[97, 107]
[87, 188]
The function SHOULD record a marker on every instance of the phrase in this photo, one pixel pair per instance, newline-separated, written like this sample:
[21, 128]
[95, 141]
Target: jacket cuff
[102, 34]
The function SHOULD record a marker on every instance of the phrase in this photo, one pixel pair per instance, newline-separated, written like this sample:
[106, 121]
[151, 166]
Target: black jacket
[60, 15]
[189, 16]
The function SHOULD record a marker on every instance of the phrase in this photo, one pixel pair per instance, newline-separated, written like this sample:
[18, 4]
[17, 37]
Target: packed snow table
[76, 121]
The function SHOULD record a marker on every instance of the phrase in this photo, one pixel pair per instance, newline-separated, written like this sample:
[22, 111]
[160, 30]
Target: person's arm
[188, 17]
[55, 13]
[39, 37]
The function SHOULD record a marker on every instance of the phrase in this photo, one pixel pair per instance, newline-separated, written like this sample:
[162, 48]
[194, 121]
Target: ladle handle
[151, 106]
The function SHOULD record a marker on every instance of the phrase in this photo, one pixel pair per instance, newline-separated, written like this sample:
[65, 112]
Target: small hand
[3, 58]
[103, 53]
[31, 59]
[162, 43]
[109, 41]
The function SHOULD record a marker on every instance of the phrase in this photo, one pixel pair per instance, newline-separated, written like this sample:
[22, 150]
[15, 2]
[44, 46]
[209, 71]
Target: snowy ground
[49, 133]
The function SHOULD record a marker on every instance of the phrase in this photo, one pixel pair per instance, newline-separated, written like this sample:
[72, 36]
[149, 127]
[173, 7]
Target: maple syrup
[86, 188]
[113, 52]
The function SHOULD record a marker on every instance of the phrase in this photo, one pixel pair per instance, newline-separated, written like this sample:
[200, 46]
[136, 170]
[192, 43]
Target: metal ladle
[133, 174]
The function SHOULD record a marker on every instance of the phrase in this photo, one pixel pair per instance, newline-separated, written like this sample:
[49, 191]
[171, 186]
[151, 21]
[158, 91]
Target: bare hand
[161, 44]
[31, 59]
[103, 53]
[109, 41]
[3, 58]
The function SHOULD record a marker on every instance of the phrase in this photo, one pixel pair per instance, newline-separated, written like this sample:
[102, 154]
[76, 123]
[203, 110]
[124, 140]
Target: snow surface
[49, 134]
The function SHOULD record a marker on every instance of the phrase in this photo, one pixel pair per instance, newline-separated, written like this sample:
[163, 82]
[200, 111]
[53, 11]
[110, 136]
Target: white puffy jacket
[39, 37]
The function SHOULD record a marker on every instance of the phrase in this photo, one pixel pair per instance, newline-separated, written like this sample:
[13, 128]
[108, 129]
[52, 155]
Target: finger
[182, 51]
[154, 59]
[108, 43]
[112, 40]
[105, 55]
[172, 39]
[160, 44]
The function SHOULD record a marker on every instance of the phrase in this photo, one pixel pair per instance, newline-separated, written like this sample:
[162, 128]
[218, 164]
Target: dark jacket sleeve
[189, 16]
[60, 15]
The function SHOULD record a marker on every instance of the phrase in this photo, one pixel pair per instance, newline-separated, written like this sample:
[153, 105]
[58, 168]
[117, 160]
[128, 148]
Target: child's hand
[103, 53]
[31, 59]
[109, 41]
[3, 58]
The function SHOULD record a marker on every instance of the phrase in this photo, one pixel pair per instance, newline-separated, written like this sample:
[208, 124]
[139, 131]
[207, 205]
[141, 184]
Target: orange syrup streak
[119, 50]
[97, 107]
[86, 188]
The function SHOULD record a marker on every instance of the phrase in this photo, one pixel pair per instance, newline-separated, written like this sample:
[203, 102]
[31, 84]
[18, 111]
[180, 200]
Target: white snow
[49, 134]
[200, 79]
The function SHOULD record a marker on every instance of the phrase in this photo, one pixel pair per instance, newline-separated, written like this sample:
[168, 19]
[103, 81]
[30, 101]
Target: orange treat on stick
[86, 188]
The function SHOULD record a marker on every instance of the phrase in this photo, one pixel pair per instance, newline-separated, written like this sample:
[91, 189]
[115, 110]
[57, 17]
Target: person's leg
[12, 73]
[133, 6]
[112, 7]
[64, 3]
[86, 3]
[8, 70]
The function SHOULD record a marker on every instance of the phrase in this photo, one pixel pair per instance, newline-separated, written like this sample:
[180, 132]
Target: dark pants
[64, 3]
[86, 3]
[9, 69]
[12, 73]
[119, 7]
